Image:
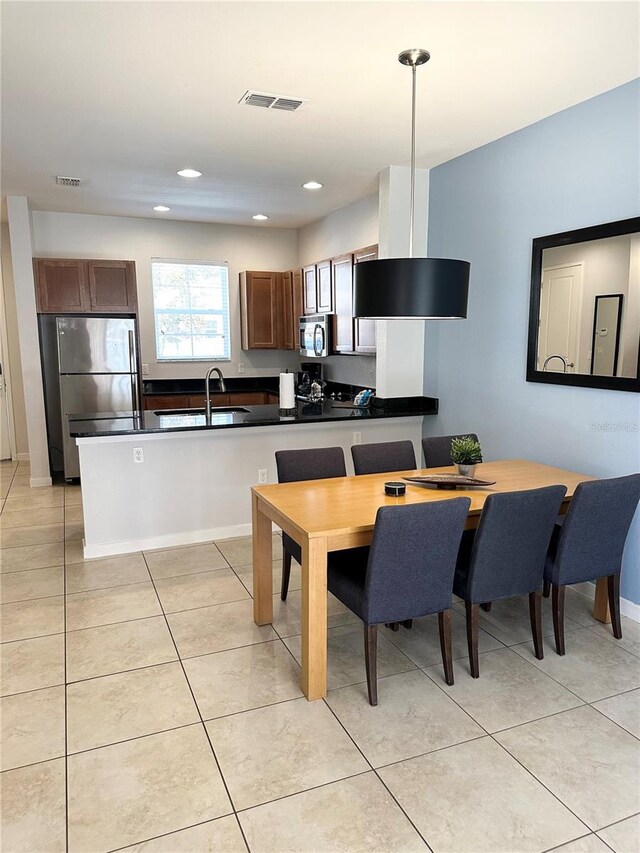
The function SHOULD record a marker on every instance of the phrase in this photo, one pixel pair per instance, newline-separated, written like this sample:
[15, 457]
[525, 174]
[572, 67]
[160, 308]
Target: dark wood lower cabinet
[198, 401]
[166, 401]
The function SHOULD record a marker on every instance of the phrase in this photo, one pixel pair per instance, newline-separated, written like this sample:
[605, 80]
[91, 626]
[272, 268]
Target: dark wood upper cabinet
[342, 284]
[365, 330]
[79, 286]
[112, 286]
[61, 286]
[309, 290]
[323, 287]
[260, 309]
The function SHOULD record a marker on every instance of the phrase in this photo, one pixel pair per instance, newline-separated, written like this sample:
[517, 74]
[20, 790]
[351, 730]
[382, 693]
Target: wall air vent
[67, 182]
[270, 102]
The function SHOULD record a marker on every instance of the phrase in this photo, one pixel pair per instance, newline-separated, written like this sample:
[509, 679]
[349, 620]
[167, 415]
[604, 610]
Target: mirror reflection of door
[607, 315]
[572, 277]
[560, 307]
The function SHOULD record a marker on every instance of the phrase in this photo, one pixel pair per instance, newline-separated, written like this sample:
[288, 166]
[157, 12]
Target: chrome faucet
[207, 390]
[562, 359]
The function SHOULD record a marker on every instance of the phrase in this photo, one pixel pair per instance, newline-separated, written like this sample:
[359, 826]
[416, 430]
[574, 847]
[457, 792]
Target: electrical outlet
[138, 454]
[357, 438]
[262, 475]
[241, 367]
[145, 369]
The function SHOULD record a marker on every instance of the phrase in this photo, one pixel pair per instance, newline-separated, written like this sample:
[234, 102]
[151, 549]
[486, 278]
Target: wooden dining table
[338, 513]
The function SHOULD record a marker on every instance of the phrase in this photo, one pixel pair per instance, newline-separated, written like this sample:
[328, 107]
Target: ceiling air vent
[270, 102]
[67, 182]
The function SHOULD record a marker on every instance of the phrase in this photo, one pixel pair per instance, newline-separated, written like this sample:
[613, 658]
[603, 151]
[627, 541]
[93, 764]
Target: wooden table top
[348, 505]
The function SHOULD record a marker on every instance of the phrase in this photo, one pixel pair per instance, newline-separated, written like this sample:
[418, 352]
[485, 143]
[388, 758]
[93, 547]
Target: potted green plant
[466, 453]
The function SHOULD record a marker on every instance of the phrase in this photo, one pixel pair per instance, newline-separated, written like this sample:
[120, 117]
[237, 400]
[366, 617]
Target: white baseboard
[630, 609]
[171, 540]
[36, 482]
[22, 457]
[627, 608]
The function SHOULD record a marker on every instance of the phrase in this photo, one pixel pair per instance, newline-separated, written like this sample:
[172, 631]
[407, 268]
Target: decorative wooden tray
[448, 481]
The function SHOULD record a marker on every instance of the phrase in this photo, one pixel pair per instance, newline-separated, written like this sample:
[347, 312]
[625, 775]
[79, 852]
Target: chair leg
[557, 607]
[371, 661]
[393, 626]
[535, 614]
[408, 624]
[472, 637]
[613, 588]
[444, 626]
[546, 589]
[486, 606]
[286, 574]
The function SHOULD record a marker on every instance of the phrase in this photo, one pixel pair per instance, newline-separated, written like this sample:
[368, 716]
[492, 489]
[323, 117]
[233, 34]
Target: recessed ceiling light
[312, 185]
[189, 173]
[162, 208]
[260, 216]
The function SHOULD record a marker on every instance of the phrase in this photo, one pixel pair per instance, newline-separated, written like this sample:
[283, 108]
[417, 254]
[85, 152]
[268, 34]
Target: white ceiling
[122, 94]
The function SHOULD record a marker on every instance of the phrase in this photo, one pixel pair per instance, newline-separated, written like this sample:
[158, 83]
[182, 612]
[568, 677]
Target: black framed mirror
[584, 315]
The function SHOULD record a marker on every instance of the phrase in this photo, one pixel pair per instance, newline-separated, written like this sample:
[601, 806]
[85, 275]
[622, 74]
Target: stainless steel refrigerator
[95, 368]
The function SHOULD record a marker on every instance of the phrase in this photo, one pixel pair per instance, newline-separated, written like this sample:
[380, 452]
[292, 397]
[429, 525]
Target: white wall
[345, 230]
[14, 367]
[86, 236]
[21, 240]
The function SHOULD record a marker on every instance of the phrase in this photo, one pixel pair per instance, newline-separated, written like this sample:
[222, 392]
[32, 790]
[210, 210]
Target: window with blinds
[191, 310]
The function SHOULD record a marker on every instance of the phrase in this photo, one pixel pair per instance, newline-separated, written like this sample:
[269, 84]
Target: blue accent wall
[577, 168]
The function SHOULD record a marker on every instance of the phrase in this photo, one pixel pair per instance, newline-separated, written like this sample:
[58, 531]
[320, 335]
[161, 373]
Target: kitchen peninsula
[167, 478]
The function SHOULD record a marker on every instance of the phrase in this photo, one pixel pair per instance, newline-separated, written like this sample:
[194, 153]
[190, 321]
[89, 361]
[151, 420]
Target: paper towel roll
[287, 391]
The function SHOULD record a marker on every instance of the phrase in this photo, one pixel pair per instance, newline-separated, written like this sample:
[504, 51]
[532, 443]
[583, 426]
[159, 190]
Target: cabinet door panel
[260, 305]
[112, 286]
[219, 400]
[342, 276]
[61, 286]
[166, 401]
[247, 398]
[365, 330]
[325, 301]
[310, 296]
[288, 336]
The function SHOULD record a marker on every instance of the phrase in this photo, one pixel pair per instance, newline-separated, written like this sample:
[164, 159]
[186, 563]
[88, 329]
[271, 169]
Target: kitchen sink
[214, 410]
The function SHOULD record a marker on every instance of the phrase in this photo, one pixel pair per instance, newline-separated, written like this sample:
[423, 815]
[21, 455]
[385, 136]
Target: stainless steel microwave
[315, 332]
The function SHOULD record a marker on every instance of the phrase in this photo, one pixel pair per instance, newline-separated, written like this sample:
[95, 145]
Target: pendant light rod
[412, 212]
[413, 58]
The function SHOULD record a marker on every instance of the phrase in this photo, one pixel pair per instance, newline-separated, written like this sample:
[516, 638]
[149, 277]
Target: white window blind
[191, 309]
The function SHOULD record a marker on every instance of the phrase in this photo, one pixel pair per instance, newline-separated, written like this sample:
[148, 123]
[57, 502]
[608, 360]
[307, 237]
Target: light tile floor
[143, 710]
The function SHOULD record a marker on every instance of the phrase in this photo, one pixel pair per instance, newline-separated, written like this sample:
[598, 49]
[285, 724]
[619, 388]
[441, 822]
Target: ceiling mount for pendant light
[412, 288]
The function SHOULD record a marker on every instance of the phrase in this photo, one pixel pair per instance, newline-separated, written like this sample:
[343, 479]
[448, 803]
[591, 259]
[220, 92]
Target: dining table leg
[314, 618]
[601, 602]
[262, 565]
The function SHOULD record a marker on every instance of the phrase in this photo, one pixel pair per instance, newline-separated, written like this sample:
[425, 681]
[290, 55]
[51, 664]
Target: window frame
[192, 359]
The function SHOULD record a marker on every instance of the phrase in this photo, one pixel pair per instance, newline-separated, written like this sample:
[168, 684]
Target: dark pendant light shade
[411, 288]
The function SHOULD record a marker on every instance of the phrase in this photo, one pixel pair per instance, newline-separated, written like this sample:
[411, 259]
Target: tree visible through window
[191, 309]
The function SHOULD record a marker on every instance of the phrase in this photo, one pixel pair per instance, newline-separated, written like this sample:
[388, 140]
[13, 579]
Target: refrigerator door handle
[134, 382]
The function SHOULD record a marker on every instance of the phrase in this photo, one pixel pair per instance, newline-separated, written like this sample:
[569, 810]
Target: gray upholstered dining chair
[407, 572]
[437, 449]
[309, 464]
[383, 456]
[588, 544]
[507, 557]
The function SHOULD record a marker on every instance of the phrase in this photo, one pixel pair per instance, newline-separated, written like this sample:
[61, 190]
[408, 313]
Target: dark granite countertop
[188, 420]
